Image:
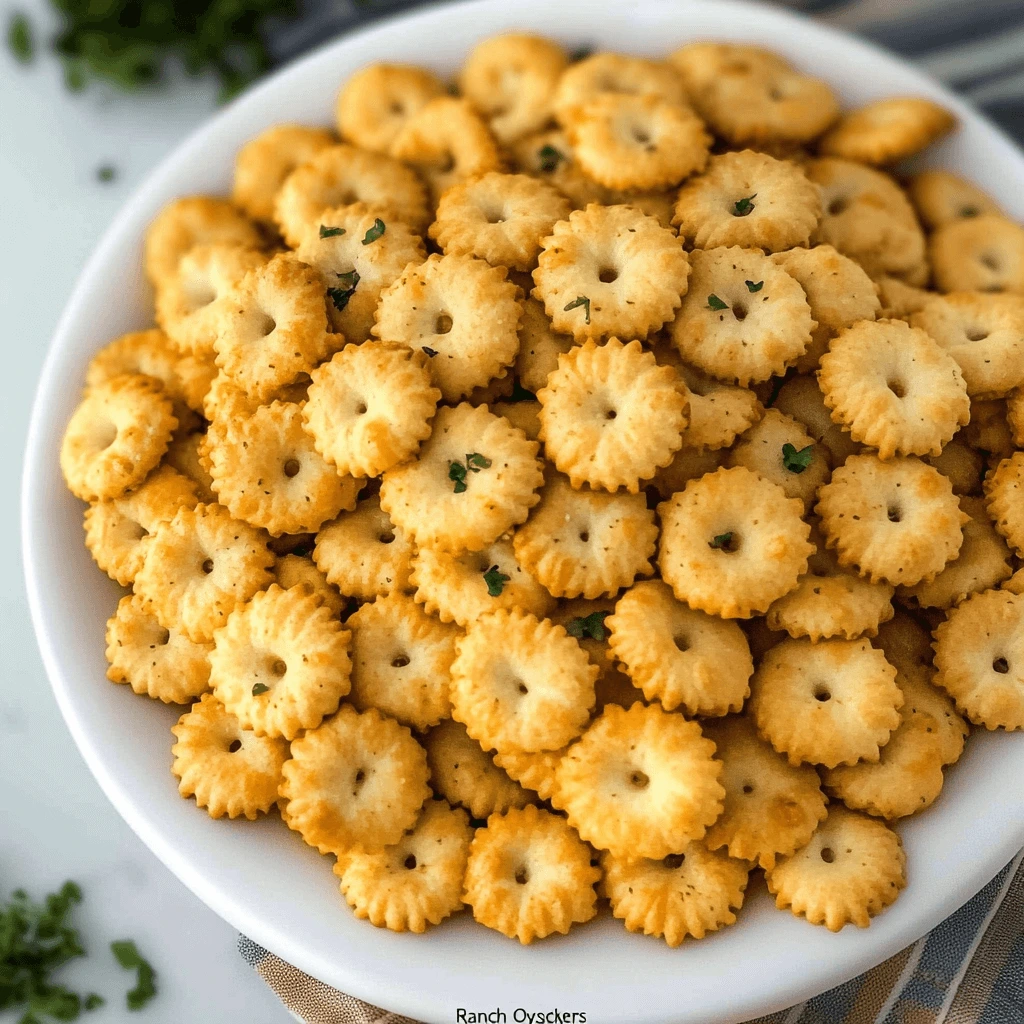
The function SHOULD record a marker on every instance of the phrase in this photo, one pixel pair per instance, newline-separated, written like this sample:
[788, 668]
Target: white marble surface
[55, 823]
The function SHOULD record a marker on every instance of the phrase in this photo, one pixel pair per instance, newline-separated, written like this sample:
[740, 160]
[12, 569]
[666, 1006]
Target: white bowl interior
[259, 875]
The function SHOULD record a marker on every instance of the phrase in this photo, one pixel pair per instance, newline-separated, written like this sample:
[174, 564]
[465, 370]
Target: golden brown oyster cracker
[374, 104]
[780, 449]
[924, 701]
[447, 141]
[962, 464]
[687, 464]
[830, 601]
[942, 198]
[906, 643]
[535, 771]
[341, 175]
[160, 663]
[462, 773]
[732, 543]
[835, 702]
[771, 807]
[116, 529]
[417, 881]
[281, 662]
[268, 473]
[357, 782]
[637, 141]
[1015, 584]
[461, 312]
[983, 333]
[191, 221]
[539, 346]
[906, 779]
[510, 79]
[524, 415]
[355, 271]
[743, 318]
[1004, 494]
[401, 661]
[1015, 415]
[370, 407]
[475, 478]
[607, 73]
[116, 435]
[199, 566]
[899, 299]
[801, 398]
[838, 292]
[897, 521]
[549, 155]
[264, 162]
[610, 270]
[989, 429]
[894, 388]
[677, 655]
[766, 105]
[684, 894]
[979, 658]
[701, 62]
[611, 416]
[229, 770]
[659, 204]
[748, 199]
[640, 783]
[983, 562]
[272, 326]
[887, 130]
[850, 871]
[984, 254]
[461, 588]
[189, 300]
[363, 553]
[868, 217]
[586, 543]
[529, 875]
[300, 571]
[521, 683]
[500, 218]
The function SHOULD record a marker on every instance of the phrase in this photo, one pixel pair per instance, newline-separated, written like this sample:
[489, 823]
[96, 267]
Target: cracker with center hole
[604, 73]
[887, 130]
[941, 198]
[984, 254]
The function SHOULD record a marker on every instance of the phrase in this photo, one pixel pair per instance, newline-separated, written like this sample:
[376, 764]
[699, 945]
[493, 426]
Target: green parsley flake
[340, 296]
[259, 689]
[591, 625]
[721, 542]
[754, 286]
[476, 462]
[743, 206]
[93, 1001]
[19, 39]
[326, 232]
[580, 300]
[549, 157]
[128, 956]
[457, 471]
[797, 461]
[430, 351]
[106, 173]
[495, 581]
[375, 232]
[715, 303]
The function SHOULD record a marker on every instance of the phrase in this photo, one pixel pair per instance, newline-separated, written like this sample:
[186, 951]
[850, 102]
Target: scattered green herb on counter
[19, 38]
[106, 173]
[797, 461]
[549, 157]
[743, 206]
[378, 229]
[348, 283]
[580, 300]
[591, 625]
[754, 286]
[715, 303]
[258, 689]
[430, 351]
[495, 581]
[128, 956]
[326, 232]
[721, 542]
[520, 394]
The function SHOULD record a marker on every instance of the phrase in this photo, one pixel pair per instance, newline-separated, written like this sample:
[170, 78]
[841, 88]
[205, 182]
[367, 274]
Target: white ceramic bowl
[260, 876]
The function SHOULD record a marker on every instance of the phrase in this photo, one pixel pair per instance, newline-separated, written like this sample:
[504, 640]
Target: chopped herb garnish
[326, 232]
[591, 625]
[340, 296]
[580, 300]
[476, 462]
[128, 956]
[375, 232]
[495, 581]
[549, 157]
[93, 1001]
[714, 302]
[457, 471]
[106, 173]
[722, 541]
[19, 38]
[744, 206]
[754, 286]
[797, 461]
[430, 351]
[520, 394]
[259, 689]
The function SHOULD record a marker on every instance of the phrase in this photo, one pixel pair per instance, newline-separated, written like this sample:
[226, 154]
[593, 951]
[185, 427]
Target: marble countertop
[56, 823]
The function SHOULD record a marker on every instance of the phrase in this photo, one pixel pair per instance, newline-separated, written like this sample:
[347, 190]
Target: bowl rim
[38, 451]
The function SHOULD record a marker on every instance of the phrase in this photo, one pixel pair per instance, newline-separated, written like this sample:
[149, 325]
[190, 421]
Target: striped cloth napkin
[970, 969]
